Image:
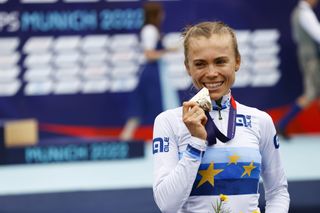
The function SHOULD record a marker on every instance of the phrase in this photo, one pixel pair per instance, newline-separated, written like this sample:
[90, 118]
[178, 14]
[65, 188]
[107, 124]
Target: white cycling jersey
[189, 176]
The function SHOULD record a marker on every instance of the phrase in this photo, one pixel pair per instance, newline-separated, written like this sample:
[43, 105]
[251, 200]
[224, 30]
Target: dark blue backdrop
[96, 110]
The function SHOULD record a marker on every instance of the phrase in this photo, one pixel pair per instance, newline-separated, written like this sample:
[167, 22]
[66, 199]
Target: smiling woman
[210, 59]
[219, 151]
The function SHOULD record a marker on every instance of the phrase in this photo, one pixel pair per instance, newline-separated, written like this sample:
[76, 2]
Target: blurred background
[69, 73]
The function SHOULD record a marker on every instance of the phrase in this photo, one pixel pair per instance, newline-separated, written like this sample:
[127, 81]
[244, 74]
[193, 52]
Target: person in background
[147, 102]
[200, 155]
[306, 34]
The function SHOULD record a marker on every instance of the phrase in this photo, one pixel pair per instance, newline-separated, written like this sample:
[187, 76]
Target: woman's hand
[195, 119]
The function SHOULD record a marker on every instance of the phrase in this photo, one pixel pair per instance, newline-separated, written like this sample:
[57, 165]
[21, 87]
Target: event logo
[82, 20]
[71, 20]
[76, 20]
[77, 152]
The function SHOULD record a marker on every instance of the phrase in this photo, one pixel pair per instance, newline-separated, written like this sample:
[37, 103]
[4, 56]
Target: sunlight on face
[212, 63]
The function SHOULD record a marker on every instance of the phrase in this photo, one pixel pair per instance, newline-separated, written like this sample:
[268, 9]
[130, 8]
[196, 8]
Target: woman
[146, 103]
[191, 169]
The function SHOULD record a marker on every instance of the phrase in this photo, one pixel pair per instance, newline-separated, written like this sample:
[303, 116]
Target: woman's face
[212, 63]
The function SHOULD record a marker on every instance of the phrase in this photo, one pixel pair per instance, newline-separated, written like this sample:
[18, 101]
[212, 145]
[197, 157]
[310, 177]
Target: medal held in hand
[204, 101]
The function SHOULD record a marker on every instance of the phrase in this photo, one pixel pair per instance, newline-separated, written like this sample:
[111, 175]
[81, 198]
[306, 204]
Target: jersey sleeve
[272, 171]
[149, 37]
[173, 176]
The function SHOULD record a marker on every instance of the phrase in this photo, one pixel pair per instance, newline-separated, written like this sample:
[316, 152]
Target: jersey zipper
[219, 111]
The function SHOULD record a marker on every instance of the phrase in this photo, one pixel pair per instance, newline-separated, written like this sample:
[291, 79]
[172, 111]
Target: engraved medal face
[203, 99]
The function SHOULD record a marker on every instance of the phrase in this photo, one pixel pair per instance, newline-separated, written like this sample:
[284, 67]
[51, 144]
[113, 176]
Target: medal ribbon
[213, 132]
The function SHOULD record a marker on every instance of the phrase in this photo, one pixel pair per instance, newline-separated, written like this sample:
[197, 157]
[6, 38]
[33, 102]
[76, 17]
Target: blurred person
[200, 155]
[306, 34]
[146, 102]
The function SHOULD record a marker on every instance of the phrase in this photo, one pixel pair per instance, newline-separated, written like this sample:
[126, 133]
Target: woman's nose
[212, 70]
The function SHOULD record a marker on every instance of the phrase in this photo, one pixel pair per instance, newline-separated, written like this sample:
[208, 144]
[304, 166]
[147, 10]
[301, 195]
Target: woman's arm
[274, 178]
[173, 177]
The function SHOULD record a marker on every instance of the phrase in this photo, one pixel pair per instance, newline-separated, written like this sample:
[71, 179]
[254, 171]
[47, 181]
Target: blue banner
[74, 65]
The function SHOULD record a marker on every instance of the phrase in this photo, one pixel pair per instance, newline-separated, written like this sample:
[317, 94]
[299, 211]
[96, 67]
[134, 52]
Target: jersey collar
[225, 102]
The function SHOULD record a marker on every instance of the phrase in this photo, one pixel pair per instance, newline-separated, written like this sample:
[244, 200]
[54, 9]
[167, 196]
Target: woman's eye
[221, 61]
[199, 65]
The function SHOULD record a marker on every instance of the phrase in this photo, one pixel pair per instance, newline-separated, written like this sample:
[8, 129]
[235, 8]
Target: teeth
[213, 85]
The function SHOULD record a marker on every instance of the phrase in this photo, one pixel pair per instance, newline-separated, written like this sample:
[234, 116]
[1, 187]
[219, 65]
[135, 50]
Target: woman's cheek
[197, 80]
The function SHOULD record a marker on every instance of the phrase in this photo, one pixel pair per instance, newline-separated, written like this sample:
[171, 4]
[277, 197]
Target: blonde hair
[206, 29]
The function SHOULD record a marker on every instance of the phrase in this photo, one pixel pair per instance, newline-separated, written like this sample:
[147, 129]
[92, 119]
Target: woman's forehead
[214, 36]
[214, 39]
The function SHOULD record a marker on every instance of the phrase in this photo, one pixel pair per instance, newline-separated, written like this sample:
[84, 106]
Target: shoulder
[258, 121]
[303, 7]
[260, 116]
[171, 115]
[168, 123]
[149, 29]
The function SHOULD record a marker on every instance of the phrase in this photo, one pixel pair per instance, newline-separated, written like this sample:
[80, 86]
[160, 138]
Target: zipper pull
[219, 111]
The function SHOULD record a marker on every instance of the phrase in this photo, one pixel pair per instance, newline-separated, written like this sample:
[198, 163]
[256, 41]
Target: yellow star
[233, 159]
[248, 169]
[208, 175]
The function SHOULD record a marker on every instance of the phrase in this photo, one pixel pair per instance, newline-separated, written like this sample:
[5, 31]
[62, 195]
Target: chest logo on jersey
[160, 145]
[243, 120]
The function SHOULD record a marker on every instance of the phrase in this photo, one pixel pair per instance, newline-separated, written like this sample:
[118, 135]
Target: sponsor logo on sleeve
[160, 145]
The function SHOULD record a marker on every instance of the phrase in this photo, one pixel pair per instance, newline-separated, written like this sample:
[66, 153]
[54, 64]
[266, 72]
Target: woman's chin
[215, 97]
